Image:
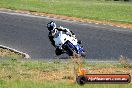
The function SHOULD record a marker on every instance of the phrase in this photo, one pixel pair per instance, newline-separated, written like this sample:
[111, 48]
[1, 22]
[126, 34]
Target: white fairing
[60, 38]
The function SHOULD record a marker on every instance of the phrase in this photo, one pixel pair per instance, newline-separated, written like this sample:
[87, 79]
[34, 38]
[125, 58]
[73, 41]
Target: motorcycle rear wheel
[83, 54]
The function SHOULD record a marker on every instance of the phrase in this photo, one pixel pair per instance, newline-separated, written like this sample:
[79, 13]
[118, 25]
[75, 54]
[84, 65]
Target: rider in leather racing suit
[53, 29]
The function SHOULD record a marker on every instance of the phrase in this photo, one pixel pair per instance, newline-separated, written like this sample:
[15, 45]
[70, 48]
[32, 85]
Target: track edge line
[26, 56]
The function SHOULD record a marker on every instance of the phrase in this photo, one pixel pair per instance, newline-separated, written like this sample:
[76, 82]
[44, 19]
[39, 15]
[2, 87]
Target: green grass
[20, 74]
[99, 10]
[30, 84]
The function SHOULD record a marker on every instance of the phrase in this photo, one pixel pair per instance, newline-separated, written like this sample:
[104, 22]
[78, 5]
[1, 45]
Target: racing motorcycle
[68, 44]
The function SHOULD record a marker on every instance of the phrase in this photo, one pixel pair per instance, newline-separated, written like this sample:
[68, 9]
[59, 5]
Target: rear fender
[79, 49]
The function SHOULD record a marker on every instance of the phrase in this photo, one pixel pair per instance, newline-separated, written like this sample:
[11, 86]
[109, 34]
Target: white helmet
[51, 25]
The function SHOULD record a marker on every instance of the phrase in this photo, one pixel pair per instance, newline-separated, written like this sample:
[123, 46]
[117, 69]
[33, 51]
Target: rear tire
[83, 54]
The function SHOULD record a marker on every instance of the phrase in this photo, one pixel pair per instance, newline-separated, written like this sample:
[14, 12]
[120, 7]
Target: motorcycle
[68, 44]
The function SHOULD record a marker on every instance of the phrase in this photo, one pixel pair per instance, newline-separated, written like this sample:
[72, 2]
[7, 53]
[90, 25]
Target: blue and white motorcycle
[68, 44]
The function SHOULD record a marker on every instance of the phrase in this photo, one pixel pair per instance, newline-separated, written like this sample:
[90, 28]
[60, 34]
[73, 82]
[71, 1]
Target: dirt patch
[117, 24]
[53, 75]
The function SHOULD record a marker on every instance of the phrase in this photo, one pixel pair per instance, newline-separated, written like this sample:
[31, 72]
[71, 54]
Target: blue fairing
[77, 47]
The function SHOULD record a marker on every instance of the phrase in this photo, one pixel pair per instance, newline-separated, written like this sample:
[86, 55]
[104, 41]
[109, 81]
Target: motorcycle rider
[52, 30]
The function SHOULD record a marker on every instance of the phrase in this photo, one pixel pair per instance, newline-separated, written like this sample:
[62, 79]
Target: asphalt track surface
[28, 33]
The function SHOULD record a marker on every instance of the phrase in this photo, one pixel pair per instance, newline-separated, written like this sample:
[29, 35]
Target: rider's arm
[66, 30]
[61, 29]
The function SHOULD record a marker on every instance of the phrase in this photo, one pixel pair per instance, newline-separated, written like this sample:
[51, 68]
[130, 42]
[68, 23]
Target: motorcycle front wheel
[58, 52]
[68, 49]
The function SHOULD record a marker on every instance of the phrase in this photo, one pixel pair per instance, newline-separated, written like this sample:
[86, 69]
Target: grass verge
[6, 53]
[53, 74]
[97, 10]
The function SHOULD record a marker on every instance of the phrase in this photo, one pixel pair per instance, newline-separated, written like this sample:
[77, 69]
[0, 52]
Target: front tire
[68, 49]
[58, 52]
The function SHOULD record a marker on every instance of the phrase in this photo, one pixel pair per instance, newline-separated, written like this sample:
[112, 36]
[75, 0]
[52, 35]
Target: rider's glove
[74, 36]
